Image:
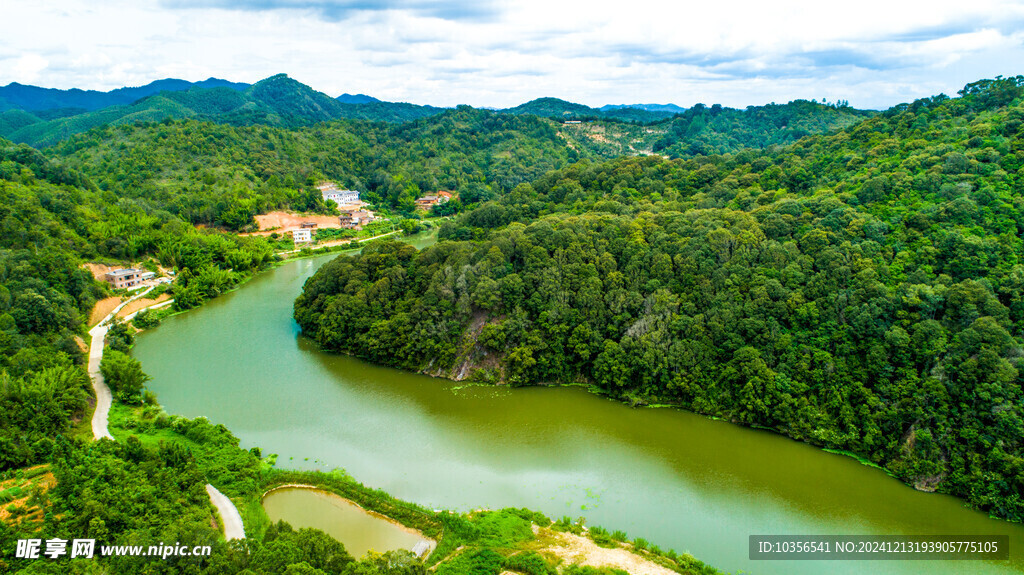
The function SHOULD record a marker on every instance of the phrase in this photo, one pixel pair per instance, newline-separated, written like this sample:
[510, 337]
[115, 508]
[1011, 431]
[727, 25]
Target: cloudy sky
[874, 53]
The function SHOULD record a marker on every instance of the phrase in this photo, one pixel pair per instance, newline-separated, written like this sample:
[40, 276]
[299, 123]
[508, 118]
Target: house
[309, 225]
[302, 235]
[124, 278]
[341, 196]
[355, 219]
[331, 193]
[144, 276]
[427, 202]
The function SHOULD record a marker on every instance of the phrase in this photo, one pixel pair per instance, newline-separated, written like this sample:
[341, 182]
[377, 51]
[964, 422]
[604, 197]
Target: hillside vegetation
[223, 175]
[862, 291]
[147, 487]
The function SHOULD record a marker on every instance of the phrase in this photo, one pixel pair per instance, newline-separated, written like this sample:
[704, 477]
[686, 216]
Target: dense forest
[862, 291]
[222, 175]
[147, 487]
[217, 174]
[53, 218]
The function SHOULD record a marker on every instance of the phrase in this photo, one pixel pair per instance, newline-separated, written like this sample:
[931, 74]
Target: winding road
[233, 528]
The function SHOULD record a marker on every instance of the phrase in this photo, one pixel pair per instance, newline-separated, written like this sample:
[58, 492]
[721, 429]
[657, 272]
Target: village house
[355, 219]
[127, 278]
[427, 202]
[331, 193]
[301, 236]
[309, 225]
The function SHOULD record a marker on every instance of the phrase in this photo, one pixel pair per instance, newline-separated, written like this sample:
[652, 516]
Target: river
[680, 480]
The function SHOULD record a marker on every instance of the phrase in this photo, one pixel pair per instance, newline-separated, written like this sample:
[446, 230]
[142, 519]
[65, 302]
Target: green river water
[680, 480]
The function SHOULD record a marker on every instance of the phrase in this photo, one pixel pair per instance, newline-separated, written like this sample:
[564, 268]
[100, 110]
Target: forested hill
[223, 175]
[275, 101]
[701, 130]
[52, 219]
[562, 110]
[862, 291]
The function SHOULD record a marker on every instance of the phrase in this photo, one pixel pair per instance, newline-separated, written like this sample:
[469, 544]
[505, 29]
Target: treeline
[862, 291]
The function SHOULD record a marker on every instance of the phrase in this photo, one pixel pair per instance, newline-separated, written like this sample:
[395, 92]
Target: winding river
[679, 480]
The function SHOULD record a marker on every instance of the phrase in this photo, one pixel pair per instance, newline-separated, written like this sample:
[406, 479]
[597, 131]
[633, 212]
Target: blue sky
[502, 53]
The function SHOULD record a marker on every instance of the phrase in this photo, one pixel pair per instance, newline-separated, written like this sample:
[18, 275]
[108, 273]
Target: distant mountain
[356, 99]
[669, 108]
[280, 101]
[561, 109]
[552, 107]
[274, 101]
[33, 98]
[292, 99]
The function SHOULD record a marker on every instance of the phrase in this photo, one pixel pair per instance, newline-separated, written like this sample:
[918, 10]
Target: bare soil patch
[576, 549]
[98, 271]
[102, 308]
[142, 303]
[282, 222]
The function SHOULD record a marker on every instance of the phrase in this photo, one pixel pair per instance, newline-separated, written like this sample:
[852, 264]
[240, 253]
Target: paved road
[332, 243]
[103, 396]
[233, 528]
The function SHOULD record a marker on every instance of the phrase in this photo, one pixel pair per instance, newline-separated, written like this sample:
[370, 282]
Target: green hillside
[35, 99]
[223, 175]
[562, 110]
[716, 130]
[147, 487]
[862, 291]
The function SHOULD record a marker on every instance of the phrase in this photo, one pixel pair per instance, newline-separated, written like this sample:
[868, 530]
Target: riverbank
[677, 479]
[506, 536]
[561, 543]
[231, 520]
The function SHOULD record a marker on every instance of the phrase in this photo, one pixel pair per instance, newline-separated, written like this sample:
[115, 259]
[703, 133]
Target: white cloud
[734, 52]
[27, 68]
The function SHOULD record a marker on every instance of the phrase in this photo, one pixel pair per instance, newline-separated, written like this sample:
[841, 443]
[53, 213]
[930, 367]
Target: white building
[331, 193]
[302, 235]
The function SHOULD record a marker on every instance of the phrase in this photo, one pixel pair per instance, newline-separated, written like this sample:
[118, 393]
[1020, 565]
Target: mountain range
[42, 117]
